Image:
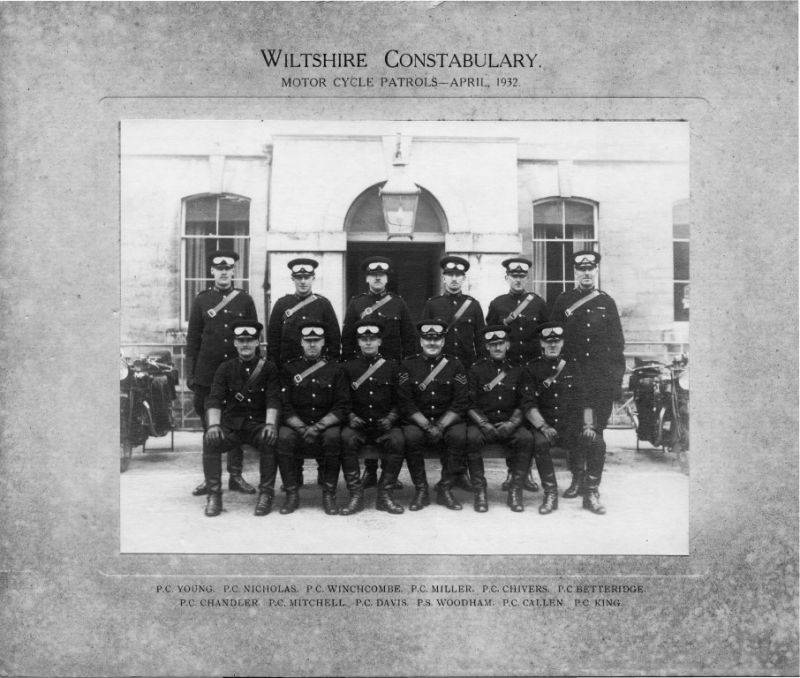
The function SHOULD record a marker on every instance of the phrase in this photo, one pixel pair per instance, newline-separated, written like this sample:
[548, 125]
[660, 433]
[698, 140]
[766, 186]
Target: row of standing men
[591, 346]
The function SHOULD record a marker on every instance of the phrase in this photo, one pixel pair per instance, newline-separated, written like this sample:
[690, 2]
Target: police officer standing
[592, 336]
[521, 312]
[283, 333]
[316, 402]
[461, 312]
[398, 337]
[559, 410]
[496, 414]
[374, 413]
[242, 408]
[434, 396]
[209, 342]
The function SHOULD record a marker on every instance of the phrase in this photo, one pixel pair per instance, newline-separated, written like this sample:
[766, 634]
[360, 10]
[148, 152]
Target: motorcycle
[661, 403]
[146, 391]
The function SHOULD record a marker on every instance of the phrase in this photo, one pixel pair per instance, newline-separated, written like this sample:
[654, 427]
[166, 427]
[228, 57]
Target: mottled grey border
[72, 606]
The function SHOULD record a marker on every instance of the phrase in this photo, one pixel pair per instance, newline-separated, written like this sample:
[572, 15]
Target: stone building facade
[275, 190]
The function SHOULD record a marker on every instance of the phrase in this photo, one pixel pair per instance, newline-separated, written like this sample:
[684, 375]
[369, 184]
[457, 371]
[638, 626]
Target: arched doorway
[416, 275]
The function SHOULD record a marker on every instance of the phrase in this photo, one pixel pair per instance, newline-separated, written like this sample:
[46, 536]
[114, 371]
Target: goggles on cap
[245, 332]
[495, 335]
[378, 267]
[368, 329]
[312, 332]
[431, 329]
[454, 268]
[303, 268]
[552, 332]
[222, 261]
[586, 260]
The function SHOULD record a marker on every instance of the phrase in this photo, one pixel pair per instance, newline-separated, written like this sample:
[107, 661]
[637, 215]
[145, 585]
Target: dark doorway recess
[416, 275]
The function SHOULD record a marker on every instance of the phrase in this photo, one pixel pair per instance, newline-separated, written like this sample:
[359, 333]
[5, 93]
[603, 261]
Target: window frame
[678, 205]
[540, 284]
[241, 281]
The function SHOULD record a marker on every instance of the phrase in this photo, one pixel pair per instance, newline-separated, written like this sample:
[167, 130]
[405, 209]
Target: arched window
[365, 215]
[680, 259]
[213, 222]
[560, 227]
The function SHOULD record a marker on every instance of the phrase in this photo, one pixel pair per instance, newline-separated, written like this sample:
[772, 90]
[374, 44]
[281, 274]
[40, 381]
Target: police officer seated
[315, 404]
[433, 396]
[496, 414]
[373, 397]
[243, 407]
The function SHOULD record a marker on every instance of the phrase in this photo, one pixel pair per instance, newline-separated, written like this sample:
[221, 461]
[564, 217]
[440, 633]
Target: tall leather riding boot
[298, 471]
[330, 477]
[212, 469]
[236, 481]
[591, 497]
[515, 501]
[288, 467]
[353, 481]
[550, 486]
[390, 469]
[444, 489]
[478, 478]
[575, 487]
[267, 467]
[416, 469]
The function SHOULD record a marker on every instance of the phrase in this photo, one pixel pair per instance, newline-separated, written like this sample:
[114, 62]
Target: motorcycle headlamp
[124, 371]
[683, 381]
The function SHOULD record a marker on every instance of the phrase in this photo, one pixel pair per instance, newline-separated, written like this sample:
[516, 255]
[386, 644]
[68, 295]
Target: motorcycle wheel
[161, 406]
[125, 454]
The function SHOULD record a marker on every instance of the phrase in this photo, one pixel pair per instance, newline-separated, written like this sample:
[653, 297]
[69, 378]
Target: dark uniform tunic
[399, 335]
[448, 391]
[322, 392]
[209, 340]
[283, 333]
[562, 404]
[498, 405]
[243, 416]
[375, 398]
[593, 337]
[521, 329]
[462, 340]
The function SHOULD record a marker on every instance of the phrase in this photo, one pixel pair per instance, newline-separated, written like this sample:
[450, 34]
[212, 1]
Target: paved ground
[646, 495]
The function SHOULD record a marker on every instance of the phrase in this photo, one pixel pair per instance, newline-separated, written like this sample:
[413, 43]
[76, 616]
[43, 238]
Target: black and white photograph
[500, 218]
[399, 339]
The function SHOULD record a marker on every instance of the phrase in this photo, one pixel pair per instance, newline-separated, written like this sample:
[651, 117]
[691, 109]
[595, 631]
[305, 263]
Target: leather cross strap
[494, 382]
[252, 380]
[289, 312]
[461, 310]
[212, 312]
[372, 370]
[424, 384]
[517, 312]
[369, 310]
[298, 378]
[581, 302]
[547, 382]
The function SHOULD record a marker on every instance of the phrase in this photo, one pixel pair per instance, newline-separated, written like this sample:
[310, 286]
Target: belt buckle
[288, 313]
[353, 385]
[211, 313]
[422, 387]
[297, 378]
[239, 397]
[487, 387]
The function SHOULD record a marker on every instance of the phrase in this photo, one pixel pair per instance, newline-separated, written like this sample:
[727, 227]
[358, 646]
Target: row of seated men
[591, 331]
[330, 410]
